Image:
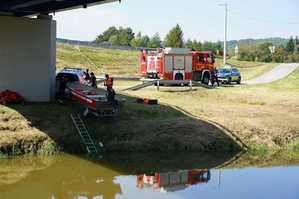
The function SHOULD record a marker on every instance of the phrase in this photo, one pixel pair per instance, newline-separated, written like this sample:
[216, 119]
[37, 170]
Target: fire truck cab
[177, 64]
[171, 181]
[203, 65]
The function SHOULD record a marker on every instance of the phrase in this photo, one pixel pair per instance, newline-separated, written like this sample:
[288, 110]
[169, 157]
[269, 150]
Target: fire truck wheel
[206, 79]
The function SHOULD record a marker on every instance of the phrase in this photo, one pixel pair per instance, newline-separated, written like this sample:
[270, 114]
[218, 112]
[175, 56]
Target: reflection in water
[173, 181]
[70, 177]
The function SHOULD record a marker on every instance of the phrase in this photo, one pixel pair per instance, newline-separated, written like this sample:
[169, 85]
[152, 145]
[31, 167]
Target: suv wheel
[206, 79]
[239, 80]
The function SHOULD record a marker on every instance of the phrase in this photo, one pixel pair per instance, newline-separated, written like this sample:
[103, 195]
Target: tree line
[262, 52]
[174, 38]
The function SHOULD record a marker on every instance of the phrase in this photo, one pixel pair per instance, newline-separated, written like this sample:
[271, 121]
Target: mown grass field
[99, 61]
[264, 116]
[126, 63]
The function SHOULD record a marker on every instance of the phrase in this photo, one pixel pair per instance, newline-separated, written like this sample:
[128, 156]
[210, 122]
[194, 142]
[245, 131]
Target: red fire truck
[177, 64]
[172, 181]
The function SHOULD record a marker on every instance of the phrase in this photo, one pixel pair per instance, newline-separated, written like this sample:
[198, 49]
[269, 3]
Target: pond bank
[194, 125]
[47, 128]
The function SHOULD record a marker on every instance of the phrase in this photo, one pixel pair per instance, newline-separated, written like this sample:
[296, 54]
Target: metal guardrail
[100, 45]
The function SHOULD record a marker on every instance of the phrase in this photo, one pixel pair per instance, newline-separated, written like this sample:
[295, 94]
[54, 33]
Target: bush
[258, 149]
[48, 148]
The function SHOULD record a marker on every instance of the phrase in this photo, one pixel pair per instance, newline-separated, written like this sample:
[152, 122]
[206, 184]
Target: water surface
[72, 177]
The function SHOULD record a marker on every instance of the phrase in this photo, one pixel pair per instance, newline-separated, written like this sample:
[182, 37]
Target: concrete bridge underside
[28, 45]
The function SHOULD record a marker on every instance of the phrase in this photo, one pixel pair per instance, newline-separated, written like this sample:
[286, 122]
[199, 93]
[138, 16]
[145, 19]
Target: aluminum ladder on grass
[85, 137]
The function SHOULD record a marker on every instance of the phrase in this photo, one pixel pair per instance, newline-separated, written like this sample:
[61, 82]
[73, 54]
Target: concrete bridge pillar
[28, 56]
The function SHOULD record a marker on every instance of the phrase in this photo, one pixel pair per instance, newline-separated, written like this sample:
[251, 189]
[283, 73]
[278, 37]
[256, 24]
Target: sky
[200, 19]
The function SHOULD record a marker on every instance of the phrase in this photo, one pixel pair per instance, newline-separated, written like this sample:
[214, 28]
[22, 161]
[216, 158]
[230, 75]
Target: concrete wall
[28, 57]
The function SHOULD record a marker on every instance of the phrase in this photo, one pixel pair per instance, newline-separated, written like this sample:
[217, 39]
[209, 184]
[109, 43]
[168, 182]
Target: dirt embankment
[139, 128]
[19, 136]
[257, 115]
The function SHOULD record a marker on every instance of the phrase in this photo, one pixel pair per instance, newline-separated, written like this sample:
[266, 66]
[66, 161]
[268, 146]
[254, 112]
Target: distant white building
[236, 50]
[272, 49]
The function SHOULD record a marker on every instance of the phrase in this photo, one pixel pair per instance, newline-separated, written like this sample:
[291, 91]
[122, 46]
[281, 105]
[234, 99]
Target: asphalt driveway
[279, 72]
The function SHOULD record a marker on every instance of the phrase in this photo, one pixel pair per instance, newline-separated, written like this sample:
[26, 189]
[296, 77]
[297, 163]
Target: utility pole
[225, 32]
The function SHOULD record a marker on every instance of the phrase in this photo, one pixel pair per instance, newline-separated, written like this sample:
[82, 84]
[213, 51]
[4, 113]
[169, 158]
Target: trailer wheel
[206, 78]
[178, 76]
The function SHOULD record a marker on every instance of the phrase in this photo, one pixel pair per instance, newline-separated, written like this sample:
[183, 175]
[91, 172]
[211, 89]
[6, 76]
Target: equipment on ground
[177, 64]
[147, 101]
[10, 97]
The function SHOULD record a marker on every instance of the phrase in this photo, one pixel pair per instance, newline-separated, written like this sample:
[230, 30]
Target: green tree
[105, 36]
[218, 47]
[210, 46]
[140, 40]
[114, 39]
[280, 54]
[120, 36]
[296, 45]
[145, 41]
[125, 36]
[290, 47]
[247, 52]
[263, 53]
[193, 44]
[136, 42]
[175, 37]
[155, 41]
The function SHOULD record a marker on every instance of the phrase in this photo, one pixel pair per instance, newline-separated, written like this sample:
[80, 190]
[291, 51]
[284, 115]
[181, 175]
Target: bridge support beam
[28, 56]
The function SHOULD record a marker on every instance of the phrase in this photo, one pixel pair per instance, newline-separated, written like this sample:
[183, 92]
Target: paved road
[279, 72]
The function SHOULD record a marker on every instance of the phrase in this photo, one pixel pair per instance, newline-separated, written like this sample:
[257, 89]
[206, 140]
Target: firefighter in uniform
[214, 77]
[108, 82]
[110, 91]
[93, 80]
[87, 75]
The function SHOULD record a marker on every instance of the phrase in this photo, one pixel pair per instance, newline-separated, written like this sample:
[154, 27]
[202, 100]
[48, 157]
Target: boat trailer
[95, 101]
